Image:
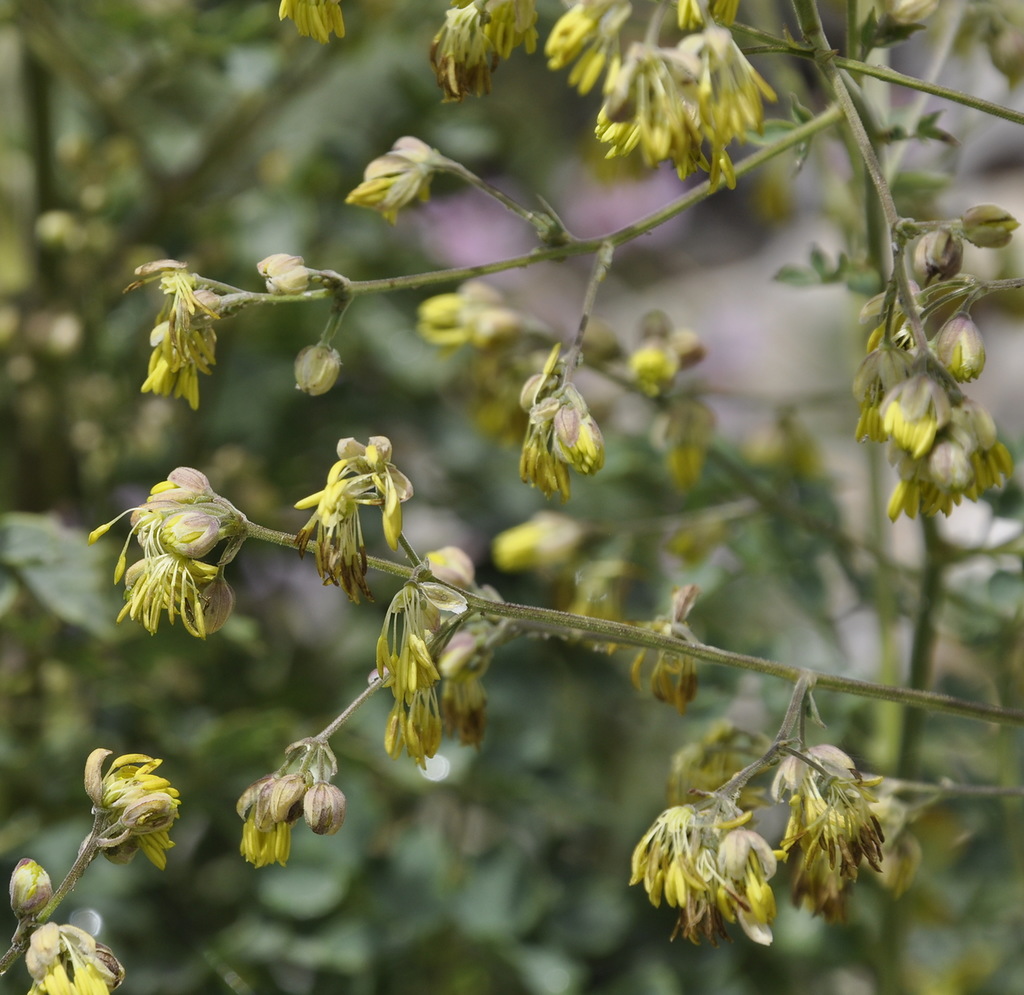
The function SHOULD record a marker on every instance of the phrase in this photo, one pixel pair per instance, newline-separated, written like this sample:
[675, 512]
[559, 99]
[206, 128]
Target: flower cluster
[673, 676]
[944, 445]
[548, 539]
[670, 102]
[314, 18]
[476, 314]
[475, 38]
[182, 520]
[183, 338]
[66, 960]
[700, 860]
[685, 430]
[134, 807]
[406, 664]
[561, 431]
[662, 353]
[831, 826]
[271, 805]
[363, 475]
[588, 33]
[397, 178]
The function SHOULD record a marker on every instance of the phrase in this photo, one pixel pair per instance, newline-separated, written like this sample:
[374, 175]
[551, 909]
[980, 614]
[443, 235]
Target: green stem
[374, 685]
[922, 649]
[602, 262]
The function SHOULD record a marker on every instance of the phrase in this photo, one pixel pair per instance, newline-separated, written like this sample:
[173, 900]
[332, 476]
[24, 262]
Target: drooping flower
[692, 858]
[66, 960]
[397, 178]
[462, 54]
[363, 475]
[673, 675]
[314, 18]
[138, 806]
[588, 33]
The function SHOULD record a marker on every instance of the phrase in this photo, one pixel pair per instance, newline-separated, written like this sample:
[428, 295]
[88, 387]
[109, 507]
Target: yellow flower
[831, 822]
[914, 411]
[138, 806]
[462, 665]
[393, 180]
[66, 960]
[685, 430]
[960, 348]
[462, 54]
[673, 676]
[548, 539]
[588, 32]
[363, 475]
[314, 18]
[181, 520]
[183, 338]
[475, 313]
[691, 15]
[691, 858]
[511, 24]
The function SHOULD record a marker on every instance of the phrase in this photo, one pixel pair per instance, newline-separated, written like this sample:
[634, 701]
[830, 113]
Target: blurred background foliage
[209, 132]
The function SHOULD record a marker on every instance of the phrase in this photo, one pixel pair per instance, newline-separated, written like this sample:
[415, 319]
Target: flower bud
[153, 811]
[110, 966]
[654, 367]
[30, 888]
[316, 369]
[323, 807]
[122, 853]
[218, 604]
[284, 274]
[43, 950]
[960, 348]
[548, 539]
[452, 566]
[284, 797]
[988, 226]
[910, 11]
[578, 439]
[1006, 48]
[938, 256]
[190, 533]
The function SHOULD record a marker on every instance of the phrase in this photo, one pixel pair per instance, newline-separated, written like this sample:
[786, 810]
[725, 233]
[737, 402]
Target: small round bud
[30, 888]
[452, 566]
[960, 348]
[284, 274]
[323, 807]
[286, 793]
[190, 533]
[988, 226]
[316, 369]
[938, 255]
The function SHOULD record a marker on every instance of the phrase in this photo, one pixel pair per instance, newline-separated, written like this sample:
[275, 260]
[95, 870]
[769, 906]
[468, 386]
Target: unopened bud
[190, 533]
[110, 966]
[960, 347]
[578, 439]
[285, 796]
[323, 807]
[154, 811]
[452, 566]
[122, 853]
[30, 888]
[316, 369]
[284, 274]
[1006, 48]
[988, 226]
[938, 256]
[910, 11]
[218, 604]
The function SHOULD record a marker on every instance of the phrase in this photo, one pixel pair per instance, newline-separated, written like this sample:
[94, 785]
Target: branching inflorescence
[678, 90]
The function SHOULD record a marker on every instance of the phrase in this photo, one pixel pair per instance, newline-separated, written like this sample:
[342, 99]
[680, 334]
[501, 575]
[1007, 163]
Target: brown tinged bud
[218, 604]
[316, 369]
[111, 965]
[280, 800]
[323, 807]
[938, 255]
[988, 226]
[30, 888]
[154, 811]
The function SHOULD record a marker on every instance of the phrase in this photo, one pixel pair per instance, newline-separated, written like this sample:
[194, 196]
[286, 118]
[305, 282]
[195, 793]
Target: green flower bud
[316, 369]
[938, 256]
[988, 226]
[323, 807]
[1006, 48]
[30, 888]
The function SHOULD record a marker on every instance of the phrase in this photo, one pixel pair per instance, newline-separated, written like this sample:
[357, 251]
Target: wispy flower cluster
[406, 664]
[699, 859]
[135, 807]
[672, 102]
[182, 520]
[673, 674]
[832, 827]
[588, 33]
[363, 475]
[561, 432]
[271, 805]
[397, 178]
[183, 338]
[475, 38]
[66, 960]
[314, 18]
